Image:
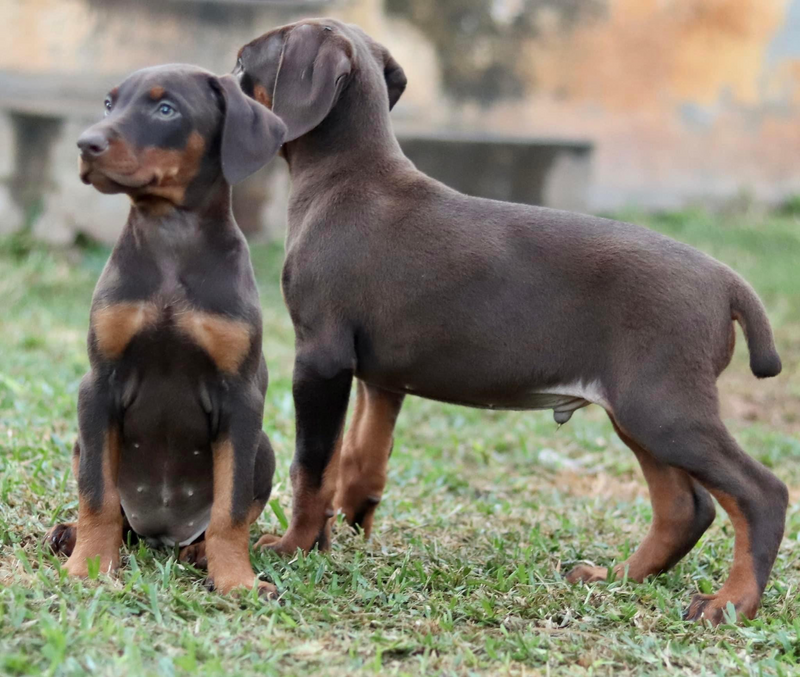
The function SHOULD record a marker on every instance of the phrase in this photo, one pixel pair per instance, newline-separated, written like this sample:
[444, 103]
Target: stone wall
[682, 100]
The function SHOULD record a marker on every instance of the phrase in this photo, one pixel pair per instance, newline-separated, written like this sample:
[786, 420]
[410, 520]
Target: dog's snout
[93, 143]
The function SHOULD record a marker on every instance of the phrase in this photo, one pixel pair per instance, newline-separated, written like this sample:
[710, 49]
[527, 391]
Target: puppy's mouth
[108, 179]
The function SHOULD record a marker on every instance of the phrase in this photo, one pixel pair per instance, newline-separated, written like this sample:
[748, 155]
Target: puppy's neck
[356, 135]
[162, 222]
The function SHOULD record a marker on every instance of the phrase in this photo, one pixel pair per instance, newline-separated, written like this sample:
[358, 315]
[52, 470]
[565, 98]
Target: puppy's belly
[166, 506]
[166, 465]
[563, 399]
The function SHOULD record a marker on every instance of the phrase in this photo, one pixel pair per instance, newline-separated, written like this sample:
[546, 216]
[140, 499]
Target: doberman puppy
[170, 439]
[412, 287]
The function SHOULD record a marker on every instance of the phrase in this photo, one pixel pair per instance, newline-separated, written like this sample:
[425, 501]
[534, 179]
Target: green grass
[482, 511]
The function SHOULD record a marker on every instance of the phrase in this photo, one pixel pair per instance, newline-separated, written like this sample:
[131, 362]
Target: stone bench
[549, 172]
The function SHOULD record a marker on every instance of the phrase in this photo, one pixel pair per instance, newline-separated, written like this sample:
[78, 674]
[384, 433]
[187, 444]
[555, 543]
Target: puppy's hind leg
[61, 538]
[679, 424]
[195, 553]
[96, 458]
[682, 511]
[365, 454]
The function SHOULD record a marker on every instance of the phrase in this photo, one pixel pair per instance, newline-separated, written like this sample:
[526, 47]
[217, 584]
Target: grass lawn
[482, 512]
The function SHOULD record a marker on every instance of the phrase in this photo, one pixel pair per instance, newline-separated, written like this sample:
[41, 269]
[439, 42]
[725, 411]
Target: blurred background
[680, 115]
[591, 105]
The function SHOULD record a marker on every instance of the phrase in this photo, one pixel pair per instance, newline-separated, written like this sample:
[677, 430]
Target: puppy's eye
[165, 110]
[107, 105]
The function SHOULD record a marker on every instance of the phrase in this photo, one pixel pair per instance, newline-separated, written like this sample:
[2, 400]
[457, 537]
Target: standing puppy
[170, 414]
[412, 287]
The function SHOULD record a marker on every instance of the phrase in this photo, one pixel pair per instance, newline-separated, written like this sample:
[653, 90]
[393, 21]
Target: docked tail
[748, 310]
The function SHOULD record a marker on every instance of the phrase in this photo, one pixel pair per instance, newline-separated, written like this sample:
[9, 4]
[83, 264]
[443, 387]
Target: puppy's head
[172, 129]
[300, 70]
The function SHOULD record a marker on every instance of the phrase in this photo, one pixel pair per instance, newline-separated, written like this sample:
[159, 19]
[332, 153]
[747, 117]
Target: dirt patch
[601, 485]
[748, 403]
[619, 488]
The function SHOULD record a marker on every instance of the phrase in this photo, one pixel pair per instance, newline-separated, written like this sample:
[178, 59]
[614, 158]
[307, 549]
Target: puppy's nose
[93, 143]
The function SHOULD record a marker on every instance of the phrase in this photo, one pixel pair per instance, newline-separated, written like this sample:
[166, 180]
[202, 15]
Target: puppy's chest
[170, 317]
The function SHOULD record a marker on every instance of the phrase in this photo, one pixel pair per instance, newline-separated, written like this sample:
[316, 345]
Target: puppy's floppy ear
[395, 77]
[251, 133]
[313, 66]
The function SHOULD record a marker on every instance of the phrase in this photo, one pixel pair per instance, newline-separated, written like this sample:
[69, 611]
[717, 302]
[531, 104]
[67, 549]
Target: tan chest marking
[226, 341]
[116, 325]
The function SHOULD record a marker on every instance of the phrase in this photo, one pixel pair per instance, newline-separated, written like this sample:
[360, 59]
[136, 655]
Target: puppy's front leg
[99, 512]
[228, 535]
[321, 391]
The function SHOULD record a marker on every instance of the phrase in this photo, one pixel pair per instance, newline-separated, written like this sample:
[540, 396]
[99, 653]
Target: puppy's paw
[294, 539]
[712, 607]
[358, 509]
[195, 555]
[226, 584]
[267, 540]
[283, 545]
[60, 539]
[77, 565]
[585, 573]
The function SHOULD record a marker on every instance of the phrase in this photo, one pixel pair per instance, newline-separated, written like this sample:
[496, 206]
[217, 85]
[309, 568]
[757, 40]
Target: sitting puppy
[412, 287]
[170, 415]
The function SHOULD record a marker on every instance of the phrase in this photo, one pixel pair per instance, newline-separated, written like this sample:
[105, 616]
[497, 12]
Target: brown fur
[394, 279]
[173, 170]
[195, 554]
[261, 95]
[227, 542]
[162, 174]
[682, 511]
[312, 509]
[60, 539]
[226, 341]
[115, 325]
[365, 454]
[119, 160]
[100, 532]
[741, 588]
[153, 407]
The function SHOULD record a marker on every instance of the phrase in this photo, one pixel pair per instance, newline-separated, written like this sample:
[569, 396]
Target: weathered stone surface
[683, 101]
[11, 216]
